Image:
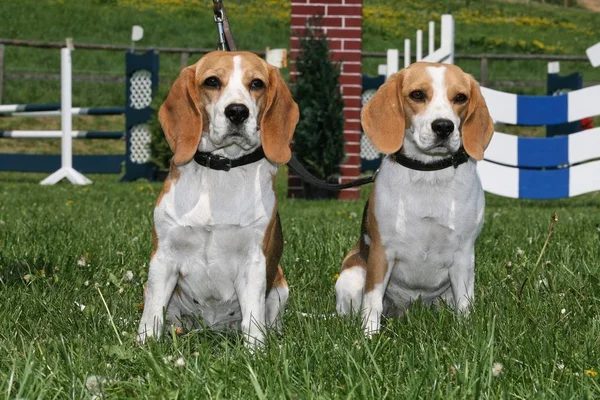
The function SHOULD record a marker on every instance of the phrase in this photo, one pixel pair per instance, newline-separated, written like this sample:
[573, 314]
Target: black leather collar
[220, 163]
[460, 157]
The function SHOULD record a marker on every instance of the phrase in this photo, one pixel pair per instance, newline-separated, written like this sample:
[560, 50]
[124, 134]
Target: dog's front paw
[371, 324]
[146, 331]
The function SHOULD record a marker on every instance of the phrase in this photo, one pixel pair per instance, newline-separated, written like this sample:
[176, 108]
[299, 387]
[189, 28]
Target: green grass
[49, 347]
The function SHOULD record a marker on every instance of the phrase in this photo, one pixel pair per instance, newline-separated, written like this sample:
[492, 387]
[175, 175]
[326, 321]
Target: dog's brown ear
[279, 119]
[181, 117]
[383, 117]
[478, 127]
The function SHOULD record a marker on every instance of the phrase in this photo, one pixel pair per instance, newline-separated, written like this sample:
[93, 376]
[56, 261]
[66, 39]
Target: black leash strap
[316, 182]
[226, 42]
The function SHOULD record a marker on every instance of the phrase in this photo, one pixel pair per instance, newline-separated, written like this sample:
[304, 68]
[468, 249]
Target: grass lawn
[61, 246]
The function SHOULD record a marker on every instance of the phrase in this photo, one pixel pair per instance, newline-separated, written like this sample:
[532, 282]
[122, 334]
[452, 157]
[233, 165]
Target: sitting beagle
[229, 120]
[426, 209]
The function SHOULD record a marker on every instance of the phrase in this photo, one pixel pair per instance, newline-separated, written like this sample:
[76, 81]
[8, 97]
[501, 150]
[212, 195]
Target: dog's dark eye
[460, 98]
[212, 82]
[257, 84]
[417, 95]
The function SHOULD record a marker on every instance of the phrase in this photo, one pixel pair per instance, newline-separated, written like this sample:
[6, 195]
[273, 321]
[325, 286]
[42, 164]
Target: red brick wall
[342, 22]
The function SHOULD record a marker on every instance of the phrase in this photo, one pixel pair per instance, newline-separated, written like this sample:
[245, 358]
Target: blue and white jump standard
[542, 168]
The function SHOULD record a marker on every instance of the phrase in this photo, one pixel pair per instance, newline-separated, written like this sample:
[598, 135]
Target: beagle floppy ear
[478, 127]
[181, 117]
[383, 117]
[279, 119]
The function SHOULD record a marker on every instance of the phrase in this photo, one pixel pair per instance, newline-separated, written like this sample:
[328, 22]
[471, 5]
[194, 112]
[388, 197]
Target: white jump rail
[66, 171]
[443, 54]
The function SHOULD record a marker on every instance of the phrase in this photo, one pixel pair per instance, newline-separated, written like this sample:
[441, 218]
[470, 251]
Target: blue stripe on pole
[104, 111]
[542, 110]
[39, 107]
[90, 164]
[103, 135]
[543, 152]
[543, 184]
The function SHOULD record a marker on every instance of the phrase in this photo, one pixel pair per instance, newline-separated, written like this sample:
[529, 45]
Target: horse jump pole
[66, 170]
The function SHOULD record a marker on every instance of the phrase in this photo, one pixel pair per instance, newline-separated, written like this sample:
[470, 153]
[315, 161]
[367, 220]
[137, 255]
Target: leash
[226, 42]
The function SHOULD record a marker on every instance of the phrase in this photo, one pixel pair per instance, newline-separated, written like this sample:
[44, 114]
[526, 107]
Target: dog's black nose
[442, 127]
[237, 113]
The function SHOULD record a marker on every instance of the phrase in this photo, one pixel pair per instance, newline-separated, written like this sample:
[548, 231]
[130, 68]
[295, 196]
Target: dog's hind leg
[350, 285]
[276, 300]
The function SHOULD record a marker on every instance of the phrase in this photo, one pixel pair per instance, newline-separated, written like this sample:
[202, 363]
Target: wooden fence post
[483, 71]
[1, 71]
[183, 60]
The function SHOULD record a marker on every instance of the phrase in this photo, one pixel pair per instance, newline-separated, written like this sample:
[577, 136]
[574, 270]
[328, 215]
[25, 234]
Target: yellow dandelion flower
[591, 372]
[336, 276]
[69, 202]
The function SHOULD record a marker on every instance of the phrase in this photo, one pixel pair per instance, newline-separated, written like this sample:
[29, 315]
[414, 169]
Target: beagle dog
[426, 209]
[229, 120]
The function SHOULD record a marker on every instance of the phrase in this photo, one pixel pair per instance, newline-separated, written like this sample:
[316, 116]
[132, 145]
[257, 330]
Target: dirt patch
[592, 5]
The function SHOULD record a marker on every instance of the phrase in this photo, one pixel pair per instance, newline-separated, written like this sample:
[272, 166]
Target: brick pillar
[342, 22]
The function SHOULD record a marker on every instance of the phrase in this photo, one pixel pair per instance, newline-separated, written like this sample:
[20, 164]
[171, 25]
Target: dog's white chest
[213, 224]
[423, 223]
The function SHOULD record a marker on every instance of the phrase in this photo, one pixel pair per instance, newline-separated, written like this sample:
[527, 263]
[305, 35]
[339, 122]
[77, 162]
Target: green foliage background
[319, 140]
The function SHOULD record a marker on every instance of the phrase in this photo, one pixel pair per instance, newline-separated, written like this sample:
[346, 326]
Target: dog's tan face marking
[409, 103]
[198, 111]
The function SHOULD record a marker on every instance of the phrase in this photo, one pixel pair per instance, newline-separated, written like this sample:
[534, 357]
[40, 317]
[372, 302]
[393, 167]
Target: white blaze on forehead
[438, 85]
[235, 87]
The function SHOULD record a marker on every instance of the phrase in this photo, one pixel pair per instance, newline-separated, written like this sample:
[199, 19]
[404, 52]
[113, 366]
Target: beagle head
[429, 110]
[229, 103]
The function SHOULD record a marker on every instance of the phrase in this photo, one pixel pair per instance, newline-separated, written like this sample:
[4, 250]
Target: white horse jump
[445, 53]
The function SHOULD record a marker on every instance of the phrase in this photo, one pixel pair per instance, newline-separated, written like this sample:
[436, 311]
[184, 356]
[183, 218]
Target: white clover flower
[128, 276]
[497, 369]
[180, 362]
[82, 262]
[94, 383]
[520, 251]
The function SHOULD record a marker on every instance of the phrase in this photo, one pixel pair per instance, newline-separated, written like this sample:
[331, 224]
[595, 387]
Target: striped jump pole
[66, 171]
[59, 134]
[49, 110]
[542, 168]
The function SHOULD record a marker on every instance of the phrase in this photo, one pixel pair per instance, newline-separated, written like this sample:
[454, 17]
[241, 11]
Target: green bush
[319, 138]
